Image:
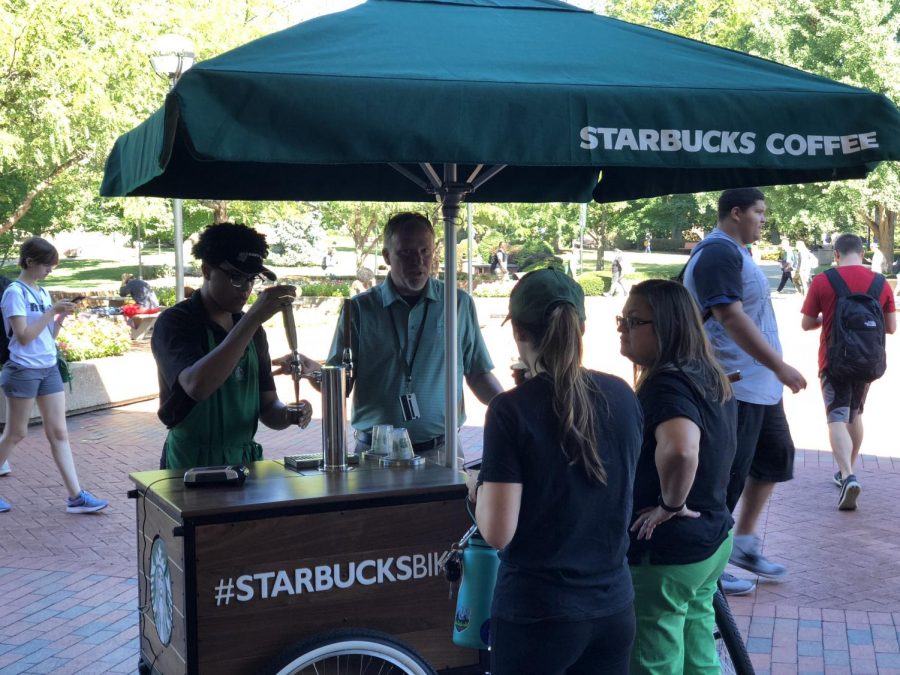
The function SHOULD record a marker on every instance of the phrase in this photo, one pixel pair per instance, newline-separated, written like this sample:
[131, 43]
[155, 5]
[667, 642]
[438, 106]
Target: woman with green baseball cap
[554, 495]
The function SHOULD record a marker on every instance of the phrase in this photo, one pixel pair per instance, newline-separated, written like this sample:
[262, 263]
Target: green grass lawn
[82, 274]
[644, 271]
[97, 274]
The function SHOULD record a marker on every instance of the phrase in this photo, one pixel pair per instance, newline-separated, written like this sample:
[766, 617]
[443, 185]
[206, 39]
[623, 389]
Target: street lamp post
[172, 56]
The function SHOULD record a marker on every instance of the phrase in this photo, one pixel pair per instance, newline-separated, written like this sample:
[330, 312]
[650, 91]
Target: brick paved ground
[68, 595]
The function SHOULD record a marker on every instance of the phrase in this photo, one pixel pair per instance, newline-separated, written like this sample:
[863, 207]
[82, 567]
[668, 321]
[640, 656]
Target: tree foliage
[74, 74]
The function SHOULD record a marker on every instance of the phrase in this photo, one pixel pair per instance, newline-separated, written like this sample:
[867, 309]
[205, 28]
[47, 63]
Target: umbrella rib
[410, 175]
[490, 173]
[436, 181]
[474, 173]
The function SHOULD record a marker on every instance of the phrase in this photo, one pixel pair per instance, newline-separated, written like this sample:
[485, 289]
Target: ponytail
[574, 394]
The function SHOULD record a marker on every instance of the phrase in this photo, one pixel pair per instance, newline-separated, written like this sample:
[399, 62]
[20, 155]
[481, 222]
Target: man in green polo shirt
[397, 336]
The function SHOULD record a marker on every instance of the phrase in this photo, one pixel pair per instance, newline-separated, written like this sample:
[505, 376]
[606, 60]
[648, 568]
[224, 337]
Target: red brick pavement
[68, 592]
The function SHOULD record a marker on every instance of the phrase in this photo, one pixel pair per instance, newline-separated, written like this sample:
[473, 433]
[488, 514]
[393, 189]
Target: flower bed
[90, 337]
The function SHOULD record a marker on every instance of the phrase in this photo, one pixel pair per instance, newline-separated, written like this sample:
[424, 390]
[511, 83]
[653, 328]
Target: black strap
[408, 366]
[840, 287]
[876, 287]
[842, 290]
[707, 315]
[39, 300]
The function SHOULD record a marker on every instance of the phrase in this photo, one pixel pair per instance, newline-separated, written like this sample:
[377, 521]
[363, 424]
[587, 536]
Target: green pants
[675, 618]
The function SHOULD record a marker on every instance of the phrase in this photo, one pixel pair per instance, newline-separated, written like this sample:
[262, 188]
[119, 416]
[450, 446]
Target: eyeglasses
[239, 280]
[629, 322]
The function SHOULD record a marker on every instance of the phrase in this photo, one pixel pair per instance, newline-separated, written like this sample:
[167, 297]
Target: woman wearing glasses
[554, 495]
[681, 526]
[215, 373]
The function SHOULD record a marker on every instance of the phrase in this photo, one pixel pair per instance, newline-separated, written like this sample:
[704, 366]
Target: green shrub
[166, 296]
[92, 337]
[594, 283]
[159, 271]
[494, 289]
[532, 252]
[325, 289]
[540, 261]
[666, 245]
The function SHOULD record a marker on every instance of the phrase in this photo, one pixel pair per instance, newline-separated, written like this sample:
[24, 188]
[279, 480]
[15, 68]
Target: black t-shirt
[179, 341]
[680, 541]
[567, 559]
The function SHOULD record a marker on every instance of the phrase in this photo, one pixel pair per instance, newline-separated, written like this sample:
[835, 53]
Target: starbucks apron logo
[240, 370]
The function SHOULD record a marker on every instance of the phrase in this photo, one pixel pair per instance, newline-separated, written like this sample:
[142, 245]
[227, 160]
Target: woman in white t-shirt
[32, 321]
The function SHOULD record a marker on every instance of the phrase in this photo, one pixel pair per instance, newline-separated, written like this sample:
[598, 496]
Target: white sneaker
[731, 585]
[746, 555]
[5, 468]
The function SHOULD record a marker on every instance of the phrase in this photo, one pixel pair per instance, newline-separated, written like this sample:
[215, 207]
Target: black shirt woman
[681, 526]
[554, 495]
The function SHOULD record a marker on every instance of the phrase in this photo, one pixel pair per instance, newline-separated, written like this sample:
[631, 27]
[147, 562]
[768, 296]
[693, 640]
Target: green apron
[220, 430]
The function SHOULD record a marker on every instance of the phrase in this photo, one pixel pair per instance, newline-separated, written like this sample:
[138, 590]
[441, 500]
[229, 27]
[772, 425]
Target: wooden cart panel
[258, 569]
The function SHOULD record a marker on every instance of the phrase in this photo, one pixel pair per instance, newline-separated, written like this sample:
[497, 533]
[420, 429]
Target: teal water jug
[472, 622]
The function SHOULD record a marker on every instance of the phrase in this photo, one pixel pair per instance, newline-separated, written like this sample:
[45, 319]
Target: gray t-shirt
[721, 272]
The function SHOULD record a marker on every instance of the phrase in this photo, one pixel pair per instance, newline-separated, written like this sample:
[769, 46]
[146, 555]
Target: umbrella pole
[452, 194]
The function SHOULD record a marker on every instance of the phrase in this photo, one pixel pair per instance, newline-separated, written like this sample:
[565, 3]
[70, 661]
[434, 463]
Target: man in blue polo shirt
[397, 337]
[734, 293]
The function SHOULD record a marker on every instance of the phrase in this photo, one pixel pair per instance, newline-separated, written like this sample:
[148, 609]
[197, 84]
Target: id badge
[410, 407]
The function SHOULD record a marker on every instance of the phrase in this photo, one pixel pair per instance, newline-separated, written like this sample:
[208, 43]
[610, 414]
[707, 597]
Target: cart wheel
[357, 651]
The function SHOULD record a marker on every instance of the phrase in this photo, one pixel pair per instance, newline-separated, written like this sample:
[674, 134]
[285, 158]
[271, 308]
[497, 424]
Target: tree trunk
[25, 206]
[599, 234]
[363, 241]
[882, 223]
[676, 232]
[219, 210]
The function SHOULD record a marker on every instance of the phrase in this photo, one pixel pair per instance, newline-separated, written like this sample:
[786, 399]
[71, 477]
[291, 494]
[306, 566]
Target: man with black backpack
[854, 307]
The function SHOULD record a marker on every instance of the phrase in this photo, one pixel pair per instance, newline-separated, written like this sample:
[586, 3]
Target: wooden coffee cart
[232, 577]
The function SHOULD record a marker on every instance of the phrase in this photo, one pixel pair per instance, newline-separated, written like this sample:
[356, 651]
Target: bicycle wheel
[357, 651]
[730, 645]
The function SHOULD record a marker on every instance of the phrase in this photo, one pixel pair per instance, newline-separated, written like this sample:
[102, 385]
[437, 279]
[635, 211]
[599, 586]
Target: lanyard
[407, 367]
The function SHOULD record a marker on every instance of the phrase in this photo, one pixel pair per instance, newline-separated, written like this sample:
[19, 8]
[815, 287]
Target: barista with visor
[397, 339]
[215, 375]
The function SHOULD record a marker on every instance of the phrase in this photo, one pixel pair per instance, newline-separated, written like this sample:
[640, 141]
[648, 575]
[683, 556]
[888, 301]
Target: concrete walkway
[68, 594]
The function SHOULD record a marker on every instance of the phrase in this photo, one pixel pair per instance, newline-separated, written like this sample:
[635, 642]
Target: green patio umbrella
[331, 108]
[492, 101]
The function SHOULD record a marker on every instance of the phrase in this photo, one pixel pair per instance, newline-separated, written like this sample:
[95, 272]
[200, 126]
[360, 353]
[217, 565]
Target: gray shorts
[21, 382]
